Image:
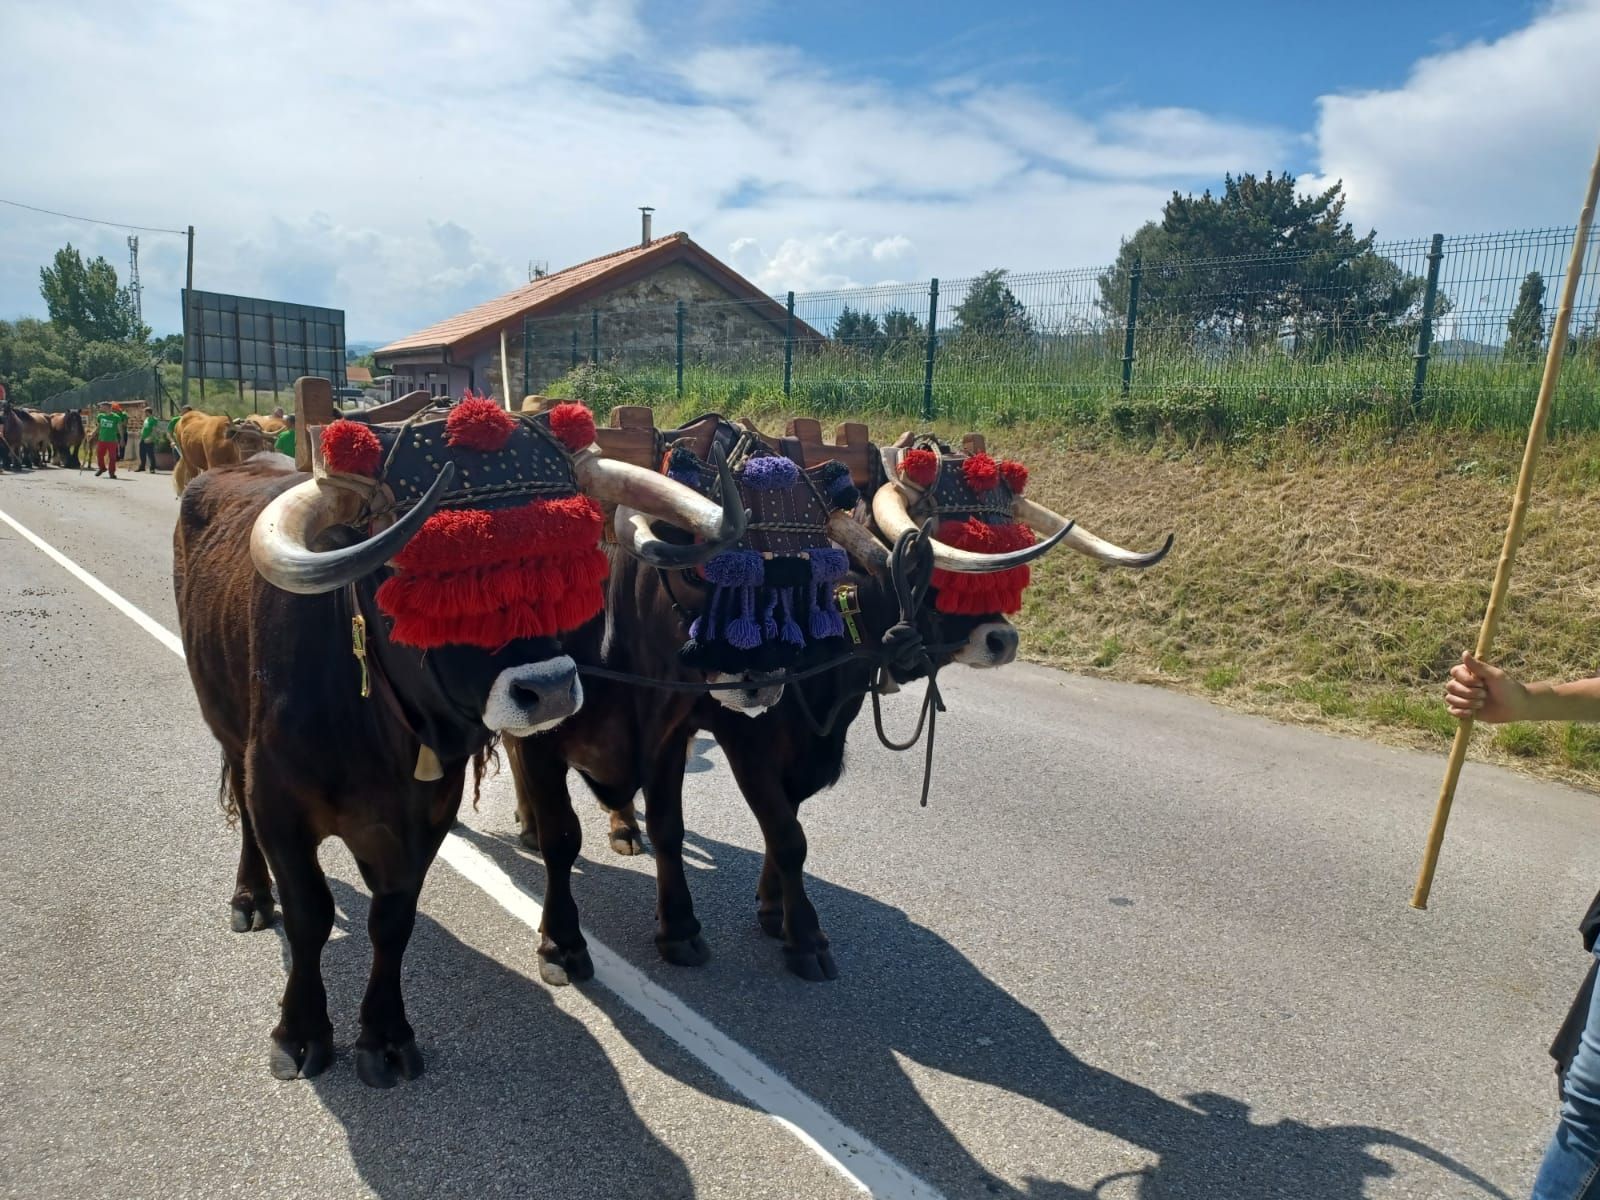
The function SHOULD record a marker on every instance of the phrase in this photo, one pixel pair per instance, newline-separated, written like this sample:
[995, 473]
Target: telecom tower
[135, 289]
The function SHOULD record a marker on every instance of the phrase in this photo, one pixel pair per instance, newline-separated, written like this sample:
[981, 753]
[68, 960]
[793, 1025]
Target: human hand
[1484, 693]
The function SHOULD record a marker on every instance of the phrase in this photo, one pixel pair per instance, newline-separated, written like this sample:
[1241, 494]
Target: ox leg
[252, 888]
[805, 947]
[302, 1041]
[546, 808]
[677, 928]
[386, 1050]
[623, 836]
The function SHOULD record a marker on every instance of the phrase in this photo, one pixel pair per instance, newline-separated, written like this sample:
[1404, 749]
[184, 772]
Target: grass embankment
[1331, 581]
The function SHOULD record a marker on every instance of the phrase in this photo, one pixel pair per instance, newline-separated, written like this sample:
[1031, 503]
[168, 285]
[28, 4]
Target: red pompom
[996, 592]
[981, 472]
[351, 448]
[478, 423]
[1015, 475]
[573, 424]
[921, 467]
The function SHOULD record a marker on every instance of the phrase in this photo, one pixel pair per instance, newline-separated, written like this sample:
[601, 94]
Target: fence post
[527, 356]
[788, 348]
[680, 349]
[1425, 330]
[1136, 274]
[933, 347]
[594, 336]
[574, 345]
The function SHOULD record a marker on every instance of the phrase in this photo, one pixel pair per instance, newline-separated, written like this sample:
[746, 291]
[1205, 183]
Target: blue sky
[403, 161]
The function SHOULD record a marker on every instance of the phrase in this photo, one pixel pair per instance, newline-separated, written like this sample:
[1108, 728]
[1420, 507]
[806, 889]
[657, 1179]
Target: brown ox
[267, 423]
[628, 739]
[206, 440]
[26, 434]
[67, 438]
[271, 569]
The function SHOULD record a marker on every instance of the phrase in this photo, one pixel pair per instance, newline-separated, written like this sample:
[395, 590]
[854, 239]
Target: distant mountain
[354, 350]
[1456, 349]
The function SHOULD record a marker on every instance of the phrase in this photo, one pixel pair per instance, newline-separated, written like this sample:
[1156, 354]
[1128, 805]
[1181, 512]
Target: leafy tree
[858, 331]
[1260, 261]
[990, 309]
[85, 297]
[1525, 329]
[43, 382]
[902, 329]
[168, 349]
[110, 358]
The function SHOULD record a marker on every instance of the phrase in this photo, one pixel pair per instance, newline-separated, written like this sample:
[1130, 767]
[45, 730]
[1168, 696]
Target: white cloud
[1492, 135]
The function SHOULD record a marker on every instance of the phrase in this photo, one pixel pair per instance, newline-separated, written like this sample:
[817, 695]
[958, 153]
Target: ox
[67, 438]
[26, 434]
[205, 440]
[783, 744]
[358, 636]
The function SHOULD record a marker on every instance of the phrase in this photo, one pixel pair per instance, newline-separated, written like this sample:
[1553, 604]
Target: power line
[50, 212]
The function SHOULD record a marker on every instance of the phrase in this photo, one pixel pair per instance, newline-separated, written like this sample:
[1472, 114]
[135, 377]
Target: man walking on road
[147, 441]
[108, 439]
[1571, 1167]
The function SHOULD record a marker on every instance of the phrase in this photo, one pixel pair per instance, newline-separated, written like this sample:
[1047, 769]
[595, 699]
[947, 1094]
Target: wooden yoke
[631, 436]
[398, 409]
[974, 443]
[853, 448]
[313, 408]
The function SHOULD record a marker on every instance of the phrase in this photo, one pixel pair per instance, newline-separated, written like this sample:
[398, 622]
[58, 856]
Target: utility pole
[135, 288]
[188, 289]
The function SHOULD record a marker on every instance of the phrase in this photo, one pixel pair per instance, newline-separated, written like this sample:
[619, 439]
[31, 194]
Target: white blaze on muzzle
[992, 644]
[533, 697]
[753, 700]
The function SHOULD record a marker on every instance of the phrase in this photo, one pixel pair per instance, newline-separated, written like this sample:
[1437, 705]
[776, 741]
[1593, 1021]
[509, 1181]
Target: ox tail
[225, 794]
[485, 762]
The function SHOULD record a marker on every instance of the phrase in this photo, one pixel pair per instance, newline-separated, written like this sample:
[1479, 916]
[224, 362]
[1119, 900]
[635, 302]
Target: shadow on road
[518, 1098]
[916, 996]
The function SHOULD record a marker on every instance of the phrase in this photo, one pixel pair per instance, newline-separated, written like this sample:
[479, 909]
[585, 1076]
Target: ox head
[476, 534]
[247, 438]
[985, 534]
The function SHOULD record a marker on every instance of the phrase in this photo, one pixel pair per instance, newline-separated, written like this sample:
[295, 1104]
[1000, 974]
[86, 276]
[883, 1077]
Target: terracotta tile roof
[550, 294]
[355, 374]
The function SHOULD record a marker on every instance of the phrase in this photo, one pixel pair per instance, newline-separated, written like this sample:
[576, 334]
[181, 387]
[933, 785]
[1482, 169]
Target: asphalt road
[1137, 947]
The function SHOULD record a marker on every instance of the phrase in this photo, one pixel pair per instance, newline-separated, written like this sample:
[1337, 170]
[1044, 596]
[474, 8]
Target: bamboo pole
[505, 371]
[1508, 549]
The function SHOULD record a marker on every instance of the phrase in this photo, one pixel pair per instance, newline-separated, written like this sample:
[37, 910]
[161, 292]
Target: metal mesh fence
[1416, 331]
[140, 386]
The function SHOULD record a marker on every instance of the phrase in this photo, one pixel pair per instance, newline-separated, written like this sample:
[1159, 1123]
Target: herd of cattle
[447, 576]
[31, 439]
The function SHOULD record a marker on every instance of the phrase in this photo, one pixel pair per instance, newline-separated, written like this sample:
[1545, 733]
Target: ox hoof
[385, 1066]
[291, 1059]
[814, 966]
[627, 842]
[685, 952]
[529, 837]
[559, 967]
[771, 921]
[249, 914]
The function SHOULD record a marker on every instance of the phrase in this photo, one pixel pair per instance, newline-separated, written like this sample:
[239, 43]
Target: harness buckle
[358, 647]
[847, 597]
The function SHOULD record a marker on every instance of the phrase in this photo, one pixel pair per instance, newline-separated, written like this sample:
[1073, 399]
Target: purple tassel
[736, 569]
[769, 625]
[743, 631]
[825, 619]
[828, 565]
[792, 632]
[770, 474]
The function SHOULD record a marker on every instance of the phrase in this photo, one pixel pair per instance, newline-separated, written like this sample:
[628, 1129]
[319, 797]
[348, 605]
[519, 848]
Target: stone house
[619, 308]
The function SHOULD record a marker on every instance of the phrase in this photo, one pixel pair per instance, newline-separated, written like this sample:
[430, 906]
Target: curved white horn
[644, 493]
[284, 531]
[889, 511]
[858, 542]
[1044, 522]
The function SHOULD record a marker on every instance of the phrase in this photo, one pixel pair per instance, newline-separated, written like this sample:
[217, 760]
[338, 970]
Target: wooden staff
[1508, 549]
[505, 371]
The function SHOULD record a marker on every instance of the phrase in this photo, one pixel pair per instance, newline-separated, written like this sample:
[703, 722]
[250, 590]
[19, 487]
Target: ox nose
[1001, 645]
[533, 697]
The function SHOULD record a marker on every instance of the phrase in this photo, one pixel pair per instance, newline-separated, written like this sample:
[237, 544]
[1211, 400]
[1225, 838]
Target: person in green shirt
[108, 427]
[284, 443]
[147, 441]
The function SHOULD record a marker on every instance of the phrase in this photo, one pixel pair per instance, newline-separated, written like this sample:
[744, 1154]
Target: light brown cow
[272, 425]
[205, 440]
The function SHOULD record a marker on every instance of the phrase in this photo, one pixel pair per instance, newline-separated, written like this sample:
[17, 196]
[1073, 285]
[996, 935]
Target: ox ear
[231, 432]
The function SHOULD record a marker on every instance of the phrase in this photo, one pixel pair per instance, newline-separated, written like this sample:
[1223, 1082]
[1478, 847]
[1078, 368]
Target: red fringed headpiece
[485, 577]
[977, 595]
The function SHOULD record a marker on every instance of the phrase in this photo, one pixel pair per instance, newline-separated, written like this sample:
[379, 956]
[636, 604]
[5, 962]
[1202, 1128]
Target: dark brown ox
[206, 440]
[66, 437]
[26, 434]
[630, 739]
[271, 566]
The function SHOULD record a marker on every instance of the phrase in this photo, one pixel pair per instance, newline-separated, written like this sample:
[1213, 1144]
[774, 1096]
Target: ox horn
[889, 511]
[281, 540]
[858, 542]
[641, 496]
[1046, 523]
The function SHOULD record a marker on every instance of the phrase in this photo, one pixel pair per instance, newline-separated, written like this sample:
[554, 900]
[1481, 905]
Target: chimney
[644, 231]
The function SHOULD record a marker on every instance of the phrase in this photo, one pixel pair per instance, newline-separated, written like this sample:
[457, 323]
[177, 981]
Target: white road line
[856, 1159]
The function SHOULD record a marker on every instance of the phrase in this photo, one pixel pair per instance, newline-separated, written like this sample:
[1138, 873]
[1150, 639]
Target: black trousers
[147, 455]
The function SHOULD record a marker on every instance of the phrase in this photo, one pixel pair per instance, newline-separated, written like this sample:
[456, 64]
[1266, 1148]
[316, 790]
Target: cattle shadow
[518, 1099]
[908, 993]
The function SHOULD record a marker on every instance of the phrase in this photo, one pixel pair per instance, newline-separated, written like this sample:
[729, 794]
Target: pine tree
[1525, 329]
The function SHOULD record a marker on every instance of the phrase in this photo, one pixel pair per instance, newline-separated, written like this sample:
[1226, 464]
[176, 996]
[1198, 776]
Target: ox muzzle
[992, 644]
[754, 698]
[533, 697]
